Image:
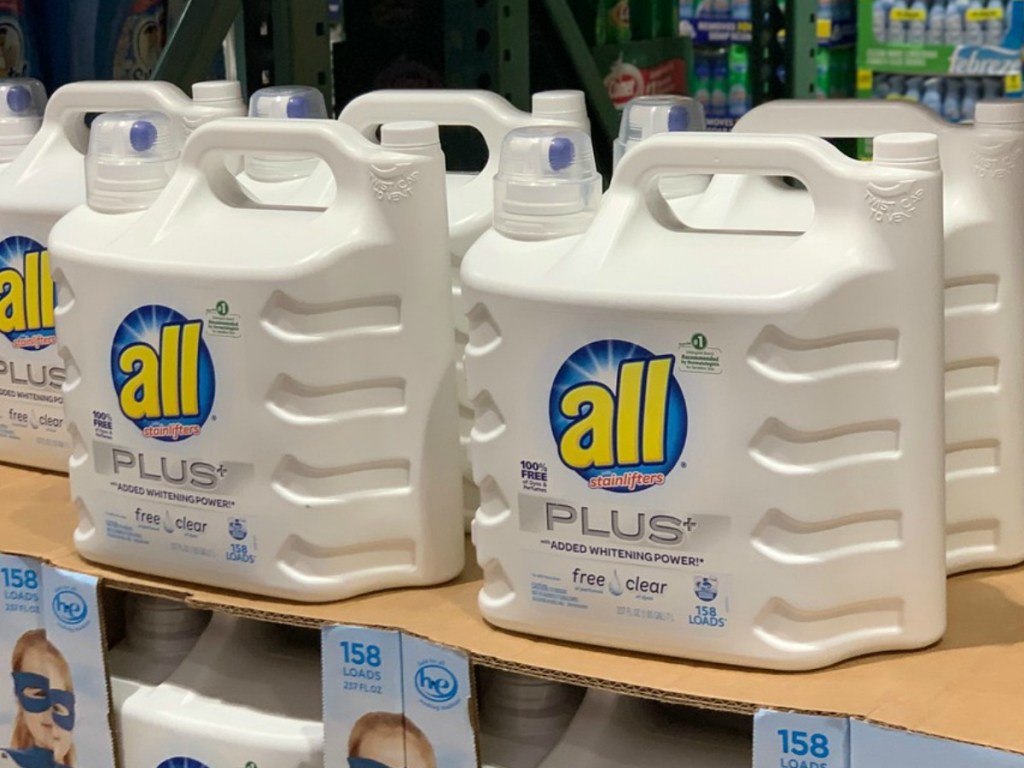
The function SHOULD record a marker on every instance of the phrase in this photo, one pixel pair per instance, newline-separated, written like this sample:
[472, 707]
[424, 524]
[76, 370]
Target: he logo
[69, 607]
[436, 683]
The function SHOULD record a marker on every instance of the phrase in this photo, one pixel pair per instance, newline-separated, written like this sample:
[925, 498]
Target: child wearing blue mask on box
[43, 687]
[389, 740]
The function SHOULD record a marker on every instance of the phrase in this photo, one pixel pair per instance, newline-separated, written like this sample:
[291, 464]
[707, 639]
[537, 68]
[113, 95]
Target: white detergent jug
[984, 294]
[470, 196]
[522, 718]
[266, 402]
[721, 446]
[43, 183]
[611, 730]
[22, 101]
[249, 693]
[288, 179]
[158, 636]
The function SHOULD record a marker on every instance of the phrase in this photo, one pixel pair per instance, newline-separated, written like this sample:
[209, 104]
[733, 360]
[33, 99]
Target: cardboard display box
[968, 688]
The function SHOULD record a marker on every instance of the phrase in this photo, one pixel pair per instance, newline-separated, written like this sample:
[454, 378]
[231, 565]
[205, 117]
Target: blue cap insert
[561, 153]
[142, 135]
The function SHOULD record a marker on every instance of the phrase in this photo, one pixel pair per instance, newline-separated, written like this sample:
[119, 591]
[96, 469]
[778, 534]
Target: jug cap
[410, 134]
[999, 112]
[217, 92]
[646, 116]
[907, 150]
[547, 183]
[22, 103]
[285, 102]
[130, 160]
[567, 105]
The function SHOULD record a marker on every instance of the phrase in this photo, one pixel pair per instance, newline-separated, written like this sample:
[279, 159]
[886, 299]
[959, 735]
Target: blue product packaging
[131, 36]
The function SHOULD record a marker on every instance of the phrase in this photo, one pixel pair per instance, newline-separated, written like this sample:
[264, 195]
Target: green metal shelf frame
[801, 48]
[281, 41]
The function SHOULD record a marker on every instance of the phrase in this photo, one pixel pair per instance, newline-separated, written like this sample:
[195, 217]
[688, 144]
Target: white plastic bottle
[45, 182]
[914, 89]
[936, 23]
[951, 107]
[469, 194]
[954, 23]
[898, 28]
[720, 446]
[995, 27]
[611, 730]
[993, 88]
[932, 97]
[266, 402]
[880, 10]
[288, 179]
[522, 718]
[159, 634]
[984, 295]
[249, 693]
[970, 101]
[974, 32]
[22, 101]
[917, 26]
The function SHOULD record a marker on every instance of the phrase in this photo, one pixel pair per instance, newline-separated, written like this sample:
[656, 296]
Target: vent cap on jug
[131, 158]
[568, 106]
[214, 92]
[646, 116]
[547, 183]
[410, 135]
[907, 150]
[999, 112]
[22, 103]
[285, 102]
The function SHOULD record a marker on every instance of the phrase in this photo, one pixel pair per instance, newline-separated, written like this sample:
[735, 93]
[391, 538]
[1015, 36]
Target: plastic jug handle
[347, 154]
[840, 118]
[71, 103]
[827, 173]
[487, 112]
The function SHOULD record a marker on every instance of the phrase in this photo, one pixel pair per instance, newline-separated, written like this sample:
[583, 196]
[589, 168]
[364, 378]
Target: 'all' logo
[163, 373]
[618, 415]
[27, 294]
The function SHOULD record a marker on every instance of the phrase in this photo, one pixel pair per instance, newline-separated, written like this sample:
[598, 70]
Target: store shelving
[941, 691]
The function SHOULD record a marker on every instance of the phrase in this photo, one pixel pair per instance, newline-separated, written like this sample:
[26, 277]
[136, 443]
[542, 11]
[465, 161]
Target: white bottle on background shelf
[995, 27]
[936, 34]
[917, 26]
[974, 28]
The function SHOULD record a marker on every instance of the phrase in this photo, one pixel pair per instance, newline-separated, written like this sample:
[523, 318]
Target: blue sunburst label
[27, 294]
[31, 373]
[618, 415]
[163, 373]
[608, 524]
